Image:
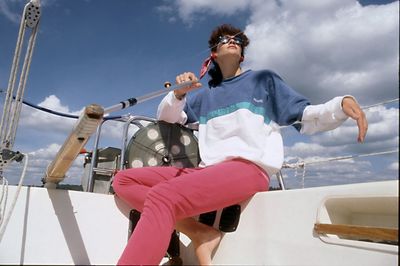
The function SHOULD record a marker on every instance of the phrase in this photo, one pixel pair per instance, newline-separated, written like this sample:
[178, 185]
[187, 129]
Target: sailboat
[354, 224]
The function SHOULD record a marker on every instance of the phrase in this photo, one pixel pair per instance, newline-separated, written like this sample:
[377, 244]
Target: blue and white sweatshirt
[240, 118]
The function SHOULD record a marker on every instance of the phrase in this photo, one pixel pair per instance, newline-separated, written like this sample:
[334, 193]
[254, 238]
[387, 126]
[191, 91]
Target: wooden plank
[357, 231]
[87, 124]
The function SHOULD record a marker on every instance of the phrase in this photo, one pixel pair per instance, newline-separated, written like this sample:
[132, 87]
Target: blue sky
[106, 51]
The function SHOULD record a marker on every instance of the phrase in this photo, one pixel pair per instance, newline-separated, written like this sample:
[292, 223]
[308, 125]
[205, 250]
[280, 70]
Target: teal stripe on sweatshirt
[232, 108]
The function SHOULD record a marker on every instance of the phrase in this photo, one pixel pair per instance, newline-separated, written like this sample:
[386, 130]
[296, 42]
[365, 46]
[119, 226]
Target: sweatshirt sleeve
[170, 109]
[288, 104]
[323, 117]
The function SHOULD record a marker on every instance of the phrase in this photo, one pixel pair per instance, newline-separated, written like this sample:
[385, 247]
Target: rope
[5, 120]
[303, 164]
[4, 195]
[4, 222]
[12, 109]
[21, 87]
[3, 199]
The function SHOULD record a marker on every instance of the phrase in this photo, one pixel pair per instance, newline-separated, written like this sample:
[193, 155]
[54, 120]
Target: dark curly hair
[224, 29]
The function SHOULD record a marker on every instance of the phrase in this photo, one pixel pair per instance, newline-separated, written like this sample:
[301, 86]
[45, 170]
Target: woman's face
[229, 46]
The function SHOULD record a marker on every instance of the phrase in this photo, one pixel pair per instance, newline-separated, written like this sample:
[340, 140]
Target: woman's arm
[332, 114]
[171, 107]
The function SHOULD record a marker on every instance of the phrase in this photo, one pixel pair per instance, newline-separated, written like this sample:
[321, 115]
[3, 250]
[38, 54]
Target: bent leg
[132, 185]
[188, 195]
[204, 238]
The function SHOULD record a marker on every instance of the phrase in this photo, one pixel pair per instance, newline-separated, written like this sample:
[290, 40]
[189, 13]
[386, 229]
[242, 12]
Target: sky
[106, 51]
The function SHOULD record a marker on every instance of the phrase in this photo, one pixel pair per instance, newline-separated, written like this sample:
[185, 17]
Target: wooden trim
[358, 231]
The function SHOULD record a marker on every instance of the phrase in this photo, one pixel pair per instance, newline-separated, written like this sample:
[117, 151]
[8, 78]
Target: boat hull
[50, 226]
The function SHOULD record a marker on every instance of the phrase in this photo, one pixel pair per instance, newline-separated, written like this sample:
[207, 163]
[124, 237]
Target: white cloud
[46, 153]
[6, 10]
[53, 124]
[321, 48]
[52, 102]
[324, 49]
[345, 48]
[308, 150]
[187, 9]
[394, 166]
[332, 173]
[39, 120]
[50, 126]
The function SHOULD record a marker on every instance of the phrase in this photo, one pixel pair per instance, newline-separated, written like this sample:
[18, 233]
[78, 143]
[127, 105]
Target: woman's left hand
[352, 109]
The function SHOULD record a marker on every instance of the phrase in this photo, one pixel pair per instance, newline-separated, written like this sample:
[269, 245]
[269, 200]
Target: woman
[240, 147]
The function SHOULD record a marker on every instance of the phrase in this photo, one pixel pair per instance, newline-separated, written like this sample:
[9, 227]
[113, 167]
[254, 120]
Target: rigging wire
[381, 103]
[44, 109]
[66, 115]
[302, 164]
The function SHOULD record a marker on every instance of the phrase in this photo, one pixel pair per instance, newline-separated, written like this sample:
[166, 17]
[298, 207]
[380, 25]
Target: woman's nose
[231, 40]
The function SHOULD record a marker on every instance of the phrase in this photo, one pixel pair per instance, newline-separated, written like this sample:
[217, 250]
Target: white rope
[21, 88]
[3, 200]
[5, 121]
[381, 103]
[4, 222]
[303, 175]
[12, 108]
[302, 164]
[4, 195]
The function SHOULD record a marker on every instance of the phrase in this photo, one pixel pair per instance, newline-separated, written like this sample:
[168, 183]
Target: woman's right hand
[185, 77]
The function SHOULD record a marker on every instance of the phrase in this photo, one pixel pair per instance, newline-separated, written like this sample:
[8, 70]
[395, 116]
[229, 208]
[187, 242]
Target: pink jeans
[164, 195]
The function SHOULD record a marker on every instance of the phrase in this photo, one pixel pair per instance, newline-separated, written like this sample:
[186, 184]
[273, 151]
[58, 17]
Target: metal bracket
[6, 156]
[32, 14]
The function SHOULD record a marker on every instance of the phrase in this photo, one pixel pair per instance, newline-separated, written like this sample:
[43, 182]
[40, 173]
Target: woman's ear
[214, 55]
[241, 59]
